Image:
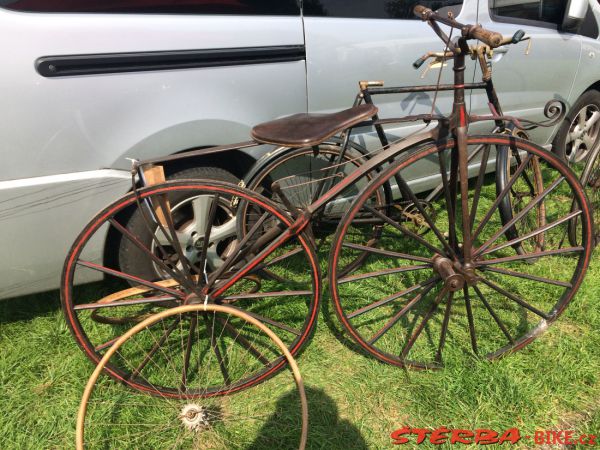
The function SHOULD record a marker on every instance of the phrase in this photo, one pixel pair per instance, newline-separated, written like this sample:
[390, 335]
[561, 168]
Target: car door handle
[501, 50]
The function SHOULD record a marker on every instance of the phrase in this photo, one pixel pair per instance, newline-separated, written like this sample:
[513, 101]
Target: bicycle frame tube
[460, 121]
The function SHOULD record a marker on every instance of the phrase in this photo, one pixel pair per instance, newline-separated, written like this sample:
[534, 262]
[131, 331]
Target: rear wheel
[304, 174]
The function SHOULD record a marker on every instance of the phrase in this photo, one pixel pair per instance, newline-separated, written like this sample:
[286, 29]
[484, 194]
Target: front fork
[463, 170]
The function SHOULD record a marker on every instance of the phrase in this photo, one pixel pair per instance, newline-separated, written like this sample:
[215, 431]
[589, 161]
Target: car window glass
[260, 7]
[550, 11]
[374, 9]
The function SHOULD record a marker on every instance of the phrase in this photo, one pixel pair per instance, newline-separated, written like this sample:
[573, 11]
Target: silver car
[87, 85]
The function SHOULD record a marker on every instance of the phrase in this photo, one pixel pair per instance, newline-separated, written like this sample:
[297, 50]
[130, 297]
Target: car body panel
[519, 80]
[66, 140]
[41, 217]
[77, 125]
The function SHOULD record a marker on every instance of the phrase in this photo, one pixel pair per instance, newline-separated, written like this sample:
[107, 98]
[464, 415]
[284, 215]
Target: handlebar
[488, 37]
[475, 51]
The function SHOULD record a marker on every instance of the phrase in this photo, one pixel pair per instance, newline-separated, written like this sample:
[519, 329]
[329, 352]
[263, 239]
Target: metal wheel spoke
[406, 191]
[215, 347]
[128, 277]
[444, 330]
[535, 201]
[592, 120]
[283, 257]
[400, 314]
[145, 206]
[259, 295]
[186, 265]
[156, 346]
[500, 197]
[403, 229]
[220, 288]
[137, 301]
[411, 342]
[479, 185]
[389, 253]
[392, 297]
[582, 117]
[559, 251]
[588, 141]
[514, 298]
[177, 275]
[470, 319]
[188, 352]
[494, 315]
[274, 323]
[379, 273]
[527, 276]
[530, 234]
[232, 331]
[224, 231]
[238, 251]
[163, 238]
[106, 344]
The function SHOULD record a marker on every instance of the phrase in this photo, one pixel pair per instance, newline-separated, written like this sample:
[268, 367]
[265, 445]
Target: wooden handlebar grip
[488, 37]
[422, 12]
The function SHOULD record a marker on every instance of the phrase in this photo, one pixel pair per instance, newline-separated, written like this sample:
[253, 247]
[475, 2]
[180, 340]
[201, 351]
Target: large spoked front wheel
[110, 417]
[418, 298]
[98, 314]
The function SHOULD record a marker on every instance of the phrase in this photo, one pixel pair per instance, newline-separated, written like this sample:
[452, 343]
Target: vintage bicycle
[481, 273]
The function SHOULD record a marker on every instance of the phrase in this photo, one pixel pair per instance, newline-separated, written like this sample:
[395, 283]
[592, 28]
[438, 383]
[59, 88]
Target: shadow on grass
[325, 428]
[331, 320]
[28, 307]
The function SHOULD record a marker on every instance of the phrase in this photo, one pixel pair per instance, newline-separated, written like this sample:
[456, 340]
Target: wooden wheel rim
[80, 428]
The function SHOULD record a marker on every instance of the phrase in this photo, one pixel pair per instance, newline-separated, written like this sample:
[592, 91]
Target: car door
[528, 75]
[352, 40]
[86, 84]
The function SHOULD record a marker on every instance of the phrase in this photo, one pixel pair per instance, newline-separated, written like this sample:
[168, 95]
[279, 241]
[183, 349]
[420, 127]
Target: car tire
[130, 258]
[576, 137]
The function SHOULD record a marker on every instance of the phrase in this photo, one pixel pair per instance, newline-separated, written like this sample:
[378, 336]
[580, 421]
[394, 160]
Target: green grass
[355, 401]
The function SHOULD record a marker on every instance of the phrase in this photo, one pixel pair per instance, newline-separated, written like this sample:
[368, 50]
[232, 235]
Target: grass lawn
[355, 401]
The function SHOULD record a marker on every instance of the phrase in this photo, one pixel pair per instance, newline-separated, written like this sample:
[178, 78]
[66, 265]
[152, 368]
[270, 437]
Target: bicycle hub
[452, 281]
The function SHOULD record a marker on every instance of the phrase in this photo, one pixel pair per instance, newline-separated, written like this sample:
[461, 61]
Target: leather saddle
[304, 130]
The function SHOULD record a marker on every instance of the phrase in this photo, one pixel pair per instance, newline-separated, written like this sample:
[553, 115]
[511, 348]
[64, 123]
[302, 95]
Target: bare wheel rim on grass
[288, 305]
[110, 415]
[414, 302]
